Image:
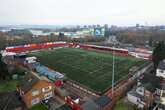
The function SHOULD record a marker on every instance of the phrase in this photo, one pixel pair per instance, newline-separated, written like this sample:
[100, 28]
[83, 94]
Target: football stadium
[88, 68]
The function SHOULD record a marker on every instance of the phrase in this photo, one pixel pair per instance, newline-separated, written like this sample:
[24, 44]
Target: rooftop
[103, 101]
[161, 65]
[29, 80]
[134, 93]
[150, 81]
[9, 101]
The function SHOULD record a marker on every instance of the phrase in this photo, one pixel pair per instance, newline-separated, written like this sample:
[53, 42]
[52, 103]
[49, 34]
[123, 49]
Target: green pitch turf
[92, 69]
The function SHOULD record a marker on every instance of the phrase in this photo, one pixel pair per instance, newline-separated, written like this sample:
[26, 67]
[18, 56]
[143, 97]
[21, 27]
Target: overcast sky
[73, 12]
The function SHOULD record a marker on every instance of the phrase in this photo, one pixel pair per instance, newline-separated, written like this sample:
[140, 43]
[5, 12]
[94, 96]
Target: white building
[137, 97]
[160, 72]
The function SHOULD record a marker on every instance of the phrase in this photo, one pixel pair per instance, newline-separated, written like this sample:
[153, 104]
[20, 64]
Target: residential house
[136, 99]
[143, 94]
[160, 92]
[160, 96]
[33, 89]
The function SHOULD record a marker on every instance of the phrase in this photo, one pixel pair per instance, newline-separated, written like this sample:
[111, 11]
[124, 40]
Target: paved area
[75, 91]
[55, 103]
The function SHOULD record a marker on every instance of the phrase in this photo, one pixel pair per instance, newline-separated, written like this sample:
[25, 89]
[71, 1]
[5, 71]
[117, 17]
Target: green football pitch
[91, 69]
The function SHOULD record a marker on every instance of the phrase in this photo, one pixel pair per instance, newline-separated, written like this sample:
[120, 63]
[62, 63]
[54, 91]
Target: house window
[35, 92]
[48, 95]
[158, 91]
[35, 101]
[46, 89]
[140, 90]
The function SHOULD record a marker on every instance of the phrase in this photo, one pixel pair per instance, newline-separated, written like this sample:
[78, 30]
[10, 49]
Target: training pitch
[88, 68]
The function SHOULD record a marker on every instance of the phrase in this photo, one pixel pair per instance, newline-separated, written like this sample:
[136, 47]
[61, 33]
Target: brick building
[33, 89]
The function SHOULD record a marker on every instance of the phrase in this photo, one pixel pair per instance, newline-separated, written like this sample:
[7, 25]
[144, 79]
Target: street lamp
[113, 69]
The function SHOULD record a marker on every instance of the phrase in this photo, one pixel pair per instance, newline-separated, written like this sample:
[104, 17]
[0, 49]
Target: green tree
[61, 35]
[158, 53]
[3, 41]
[151, 41]
[3, 69]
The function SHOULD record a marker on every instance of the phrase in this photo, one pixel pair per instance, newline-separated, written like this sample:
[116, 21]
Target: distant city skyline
[82, 12]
